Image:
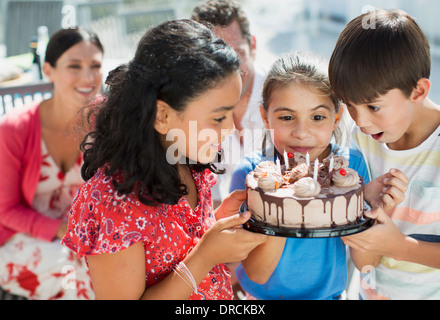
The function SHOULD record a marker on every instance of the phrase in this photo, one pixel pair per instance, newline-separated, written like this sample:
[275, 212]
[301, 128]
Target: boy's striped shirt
[417, 216]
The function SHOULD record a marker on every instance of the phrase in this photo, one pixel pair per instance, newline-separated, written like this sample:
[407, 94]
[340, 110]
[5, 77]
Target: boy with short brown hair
[380, 68]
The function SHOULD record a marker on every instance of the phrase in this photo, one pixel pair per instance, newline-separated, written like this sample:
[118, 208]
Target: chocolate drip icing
[329, 198]
[331, 201]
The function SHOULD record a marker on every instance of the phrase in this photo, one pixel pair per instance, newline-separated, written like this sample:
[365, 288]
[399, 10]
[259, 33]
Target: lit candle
[279, 166]
[315, 171]
[308, 158]
[330, 167]
[286, 160]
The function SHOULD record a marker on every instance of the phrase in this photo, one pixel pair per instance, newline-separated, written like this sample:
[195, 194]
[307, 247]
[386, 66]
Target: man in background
[228, 21]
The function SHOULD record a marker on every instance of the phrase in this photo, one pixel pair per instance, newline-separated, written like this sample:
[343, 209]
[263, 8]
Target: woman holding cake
[306, 118]
[144, 219]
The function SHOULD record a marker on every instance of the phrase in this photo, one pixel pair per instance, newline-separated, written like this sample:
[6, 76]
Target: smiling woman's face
[302, 118]
[77, 75]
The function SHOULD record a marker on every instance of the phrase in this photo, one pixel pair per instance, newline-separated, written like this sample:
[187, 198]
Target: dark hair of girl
[64, 39]
[175, 62]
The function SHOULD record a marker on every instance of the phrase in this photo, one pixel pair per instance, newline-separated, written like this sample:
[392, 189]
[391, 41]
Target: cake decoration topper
[286, 160]
[330, 167]
[315, 169]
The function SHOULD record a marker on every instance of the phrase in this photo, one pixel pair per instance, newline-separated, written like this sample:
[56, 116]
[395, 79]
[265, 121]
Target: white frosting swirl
[350, 178]
[265, 167]
[339, 162]
[267, 183]
[307, 187]
[267, 176]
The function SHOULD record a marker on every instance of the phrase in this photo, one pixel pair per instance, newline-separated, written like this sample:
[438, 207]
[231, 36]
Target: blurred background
[280, 26]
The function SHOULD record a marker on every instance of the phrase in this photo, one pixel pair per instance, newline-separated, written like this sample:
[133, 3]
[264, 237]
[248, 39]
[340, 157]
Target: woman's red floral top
[102, 220]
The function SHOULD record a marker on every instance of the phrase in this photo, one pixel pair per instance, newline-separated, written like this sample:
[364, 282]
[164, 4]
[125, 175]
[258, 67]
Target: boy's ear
[421, 91]
[263, 114]
[161, 124]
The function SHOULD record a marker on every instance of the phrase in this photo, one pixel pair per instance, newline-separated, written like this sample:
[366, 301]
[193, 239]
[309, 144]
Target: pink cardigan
[20, 163]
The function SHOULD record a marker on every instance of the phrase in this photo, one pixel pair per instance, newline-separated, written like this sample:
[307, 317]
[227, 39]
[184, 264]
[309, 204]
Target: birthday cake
[300, 194]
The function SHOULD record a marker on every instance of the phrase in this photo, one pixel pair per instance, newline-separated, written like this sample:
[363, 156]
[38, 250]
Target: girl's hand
[231, 204]
[226, 241]
[121, 275]
[387, 191]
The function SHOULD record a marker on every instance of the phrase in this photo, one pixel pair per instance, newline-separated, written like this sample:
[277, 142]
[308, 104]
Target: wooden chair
[15, 97]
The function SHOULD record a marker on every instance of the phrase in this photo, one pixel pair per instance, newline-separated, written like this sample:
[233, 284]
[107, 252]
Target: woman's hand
[387, 191]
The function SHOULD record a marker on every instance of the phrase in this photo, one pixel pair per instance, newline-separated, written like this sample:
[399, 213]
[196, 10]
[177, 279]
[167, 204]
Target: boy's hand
[384, 238]
[387, 191]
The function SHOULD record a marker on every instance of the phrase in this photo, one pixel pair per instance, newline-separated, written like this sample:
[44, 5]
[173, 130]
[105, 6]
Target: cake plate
[271, 230]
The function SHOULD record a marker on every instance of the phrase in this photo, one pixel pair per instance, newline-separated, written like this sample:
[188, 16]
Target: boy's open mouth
[377, 136]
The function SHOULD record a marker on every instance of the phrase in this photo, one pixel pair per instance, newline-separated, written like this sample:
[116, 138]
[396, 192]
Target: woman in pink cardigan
[40, 169]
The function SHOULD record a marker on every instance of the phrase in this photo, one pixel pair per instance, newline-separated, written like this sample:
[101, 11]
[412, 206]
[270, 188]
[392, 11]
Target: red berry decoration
[290, 155]
[342, 172]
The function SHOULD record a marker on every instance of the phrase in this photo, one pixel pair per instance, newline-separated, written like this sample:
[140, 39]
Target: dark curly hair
[175, 62]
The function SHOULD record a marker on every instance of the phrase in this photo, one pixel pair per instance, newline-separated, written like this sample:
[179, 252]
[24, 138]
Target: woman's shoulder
[20, 132]
[20, 119]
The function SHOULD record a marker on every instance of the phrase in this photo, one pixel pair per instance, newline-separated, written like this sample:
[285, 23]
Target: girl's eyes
[286, 118]
[314, 118]
[318, 118]
[219, 120]
[374, 108]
